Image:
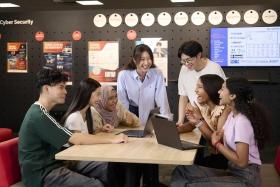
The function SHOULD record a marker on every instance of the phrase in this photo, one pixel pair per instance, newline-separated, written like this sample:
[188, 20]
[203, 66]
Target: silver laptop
[148, 127]
[167, 134]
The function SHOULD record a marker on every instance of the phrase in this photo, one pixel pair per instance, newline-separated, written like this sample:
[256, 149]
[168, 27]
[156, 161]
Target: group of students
[232, 123]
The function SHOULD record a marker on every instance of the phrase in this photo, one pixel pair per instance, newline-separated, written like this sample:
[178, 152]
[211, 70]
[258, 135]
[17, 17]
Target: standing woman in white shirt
[140, 89]
[141, 85]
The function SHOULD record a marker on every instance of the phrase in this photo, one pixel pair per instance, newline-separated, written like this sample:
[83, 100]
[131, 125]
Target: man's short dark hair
[50, 77]
[190, 48]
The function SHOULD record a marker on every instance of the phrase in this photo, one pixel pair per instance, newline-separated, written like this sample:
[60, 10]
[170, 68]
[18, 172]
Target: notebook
[167, 134]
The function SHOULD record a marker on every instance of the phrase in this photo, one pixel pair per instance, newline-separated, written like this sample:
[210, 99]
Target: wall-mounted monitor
[246, 46]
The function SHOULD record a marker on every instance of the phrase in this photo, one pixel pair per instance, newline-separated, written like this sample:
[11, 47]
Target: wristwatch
[199, 123]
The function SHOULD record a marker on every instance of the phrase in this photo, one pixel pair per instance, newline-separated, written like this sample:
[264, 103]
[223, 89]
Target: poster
[160, 50]
[103, 61]
[17, 57]
[58, 55]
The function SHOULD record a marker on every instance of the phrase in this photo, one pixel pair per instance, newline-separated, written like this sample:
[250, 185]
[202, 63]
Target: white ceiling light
[8, 5]
[89, 2]
[181, 1]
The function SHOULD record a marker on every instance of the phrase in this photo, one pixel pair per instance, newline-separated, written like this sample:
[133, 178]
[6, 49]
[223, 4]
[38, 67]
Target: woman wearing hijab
[108, 113]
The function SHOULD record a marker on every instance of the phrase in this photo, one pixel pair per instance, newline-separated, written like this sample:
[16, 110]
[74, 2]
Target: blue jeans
[199, 176]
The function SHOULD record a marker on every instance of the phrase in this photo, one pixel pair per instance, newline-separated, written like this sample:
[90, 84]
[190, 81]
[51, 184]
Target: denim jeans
[199, 176]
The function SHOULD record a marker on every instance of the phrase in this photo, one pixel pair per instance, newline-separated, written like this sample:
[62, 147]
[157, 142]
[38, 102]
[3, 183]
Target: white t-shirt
[188, 78]
[75, 122]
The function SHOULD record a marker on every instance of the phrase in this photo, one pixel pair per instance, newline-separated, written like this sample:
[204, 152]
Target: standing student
[244, 133]
[140, 89]
[141, 86]
[41, 137]
[193, 66]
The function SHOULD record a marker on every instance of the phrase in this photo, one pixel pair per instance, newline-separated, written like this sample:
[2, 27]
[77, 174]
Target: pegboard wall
[18, 90]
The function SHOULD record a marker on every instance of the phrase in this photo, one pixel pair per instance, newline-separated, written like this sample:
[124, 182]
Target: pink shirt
[239, 129]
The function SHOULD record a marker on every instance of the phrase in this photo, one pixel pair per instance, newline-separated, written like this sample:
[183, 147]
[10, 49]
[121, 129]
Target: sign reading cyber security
[16, 22]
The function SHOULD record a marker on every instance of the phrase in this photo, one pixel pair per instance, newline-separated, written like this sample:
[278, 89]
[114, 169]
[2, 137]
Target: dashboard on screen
[246, 46]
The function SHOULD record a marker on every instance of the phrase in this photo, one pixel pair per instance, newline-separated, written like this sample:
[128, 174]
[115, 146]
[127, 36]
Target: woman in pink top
[244, 133]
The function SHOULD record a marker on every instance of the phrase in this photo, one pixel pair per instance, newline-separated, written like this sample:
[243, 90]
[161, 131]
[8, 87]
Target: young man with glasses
[193, 66]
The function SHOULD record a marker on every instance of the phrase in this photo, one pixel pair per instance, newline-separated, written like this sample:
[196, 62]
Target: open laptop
[167, 134]
[148, 127]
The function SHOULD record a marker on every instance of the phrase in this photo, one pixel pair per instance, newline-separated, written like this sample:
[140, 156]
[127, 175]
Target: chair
[9, 164]
[5, 134]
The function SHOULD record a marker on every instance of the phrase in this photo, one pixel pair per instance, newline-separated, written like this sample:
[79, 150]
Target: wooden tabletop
[137, 150]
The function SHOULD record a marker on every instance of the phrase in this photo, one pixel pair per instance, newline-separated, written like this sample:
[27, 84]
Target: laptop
[148, 127]
[167, 134]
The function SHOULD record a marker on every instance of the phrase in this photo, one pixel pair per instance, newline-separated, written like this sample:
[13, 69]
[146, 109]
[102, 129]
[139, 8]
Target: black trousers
[217, 161]
[129, 175]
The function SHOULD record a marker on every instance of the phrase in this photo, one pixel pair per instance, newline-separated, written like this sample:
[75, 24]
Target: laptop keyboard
[189, 145]
[134, 133]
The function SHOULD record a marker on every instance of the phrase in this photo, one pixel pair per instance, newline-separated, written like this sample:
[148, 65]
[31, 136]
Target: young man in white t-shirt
[193, 66]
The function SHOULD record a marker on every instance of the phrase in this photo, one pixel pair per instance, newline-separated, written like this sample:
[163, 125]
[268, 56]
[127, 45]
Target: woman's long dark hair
[81, 100]
[212, 84]
[246, 104]
[136, 56]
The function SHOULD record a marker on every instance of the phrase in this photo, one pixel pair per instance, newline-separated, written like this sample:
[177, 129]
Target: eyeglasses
[187, 60]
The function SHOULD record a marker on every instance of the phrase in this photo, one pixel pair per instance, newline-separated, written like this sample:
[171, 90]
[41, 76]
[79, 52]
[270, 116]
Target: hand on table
[120, 138]
[107, 128]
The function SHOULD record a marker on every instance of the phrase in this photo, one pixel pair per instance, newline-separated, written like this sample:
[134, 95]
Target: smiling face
[112, 101]
[192, 63]
[226, 98]
[144, 64]
[202, 96]
[95, 97]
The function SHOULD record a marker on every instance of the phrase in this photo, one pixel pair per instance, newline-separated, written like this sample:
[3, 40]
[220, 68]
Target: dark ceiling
[39, 5]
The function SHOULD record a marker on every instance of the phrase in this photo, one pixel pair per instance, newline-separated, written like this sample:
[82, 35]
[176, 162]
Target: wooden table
[137, 150]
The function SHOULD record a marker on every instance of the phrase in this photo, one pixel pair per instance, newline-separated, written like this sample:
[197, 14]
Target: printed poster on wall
[160, 50]
[58, 55]
[17, 57]
[103, 61]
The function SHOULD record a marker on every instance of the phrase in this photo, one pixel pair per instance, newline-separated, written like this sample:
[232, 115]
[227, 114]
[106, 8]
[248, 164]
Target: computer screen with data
[246, 46]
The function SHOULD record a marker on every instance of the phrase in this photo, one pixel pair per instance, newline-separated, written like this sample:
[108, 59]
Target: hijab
[107, 116]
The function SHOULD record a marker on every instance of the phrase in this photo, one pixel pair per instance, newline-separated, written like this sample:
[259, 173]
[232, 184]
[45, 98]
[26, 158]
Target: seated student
[41, 137]
[208, 118]
[79, 117]
[244, 133]
[111, 112]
